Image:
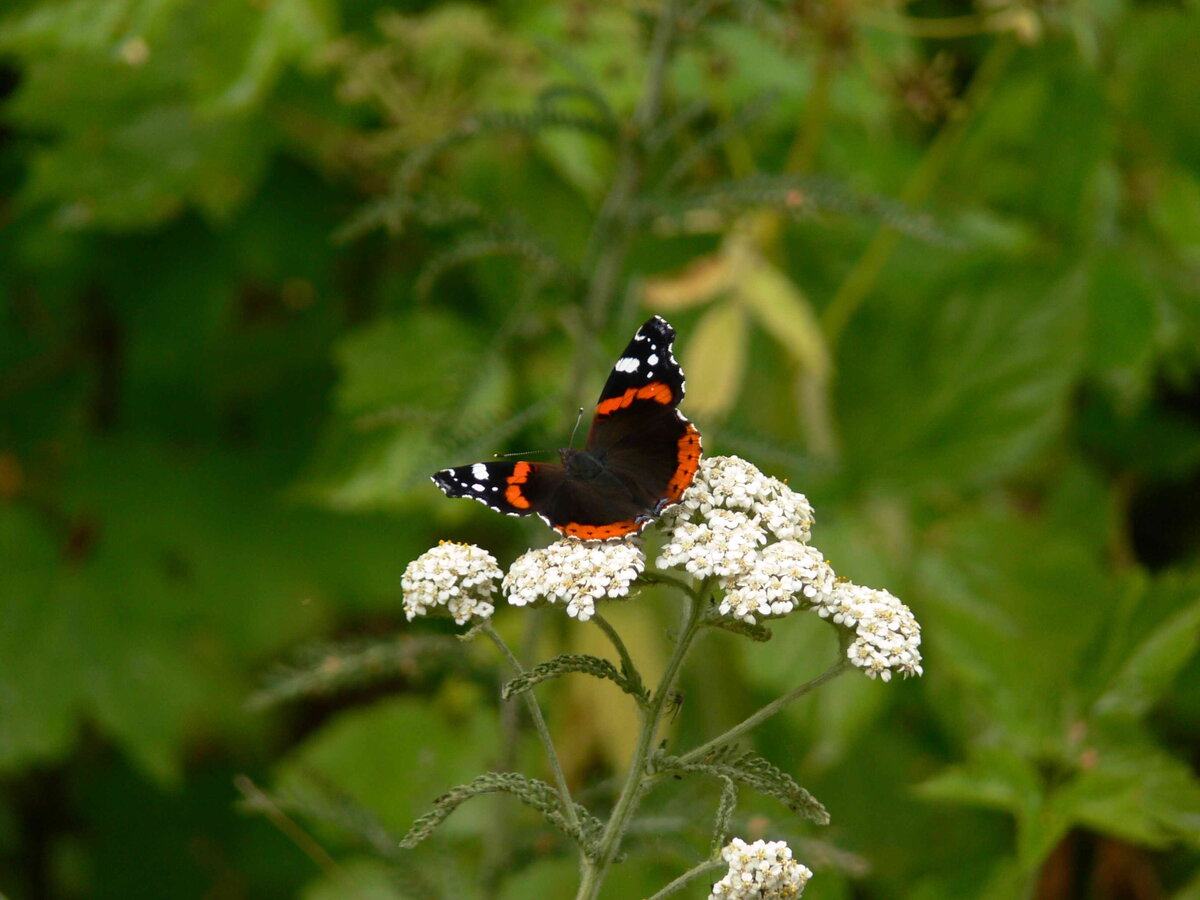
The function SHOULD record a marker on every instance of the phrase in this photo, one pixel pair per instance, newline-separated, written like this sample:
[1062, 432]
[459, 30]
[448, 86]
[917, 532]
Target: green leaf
[530, 791]
[994, 778]
[1133, 789]
[753, 771]
[963, 391]
[1155, 635]
[379, 755]
[357, 879]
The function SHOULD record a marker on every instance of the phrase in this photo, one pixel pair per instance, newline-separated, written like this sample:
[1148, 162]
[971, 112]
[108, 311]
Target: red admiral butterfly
[641, 454]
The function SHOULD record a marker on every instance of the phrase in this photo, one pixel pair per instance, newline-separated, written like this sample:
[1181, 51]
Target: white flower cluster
[457, 576]
[763, 870]
[729, 482]
[784, 573]
[717, 529]
[725, 544]
[751, 532]
[575, 573]
[887, 636]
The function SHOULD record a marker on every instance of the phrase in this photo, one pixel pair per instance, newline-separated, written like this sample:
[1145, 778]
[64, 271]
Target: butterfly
[641, 454]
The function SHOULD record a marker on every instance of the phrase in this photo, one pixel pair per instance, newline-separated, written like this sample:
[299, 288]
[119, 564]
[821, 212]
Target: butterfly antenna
[520, 453]
[578, 419]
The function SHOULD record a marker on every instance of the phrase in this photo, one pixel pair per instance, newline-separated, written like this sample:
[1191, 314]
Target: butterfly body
[641, 454]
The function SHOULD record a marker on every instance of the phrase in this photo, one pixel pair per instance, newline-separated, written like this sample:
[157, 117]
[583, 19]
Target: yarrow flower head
[459, 577]
[787, 574]
[575, 573]
[763, 870]
[887, 635]
[725, 544]
[729, 482]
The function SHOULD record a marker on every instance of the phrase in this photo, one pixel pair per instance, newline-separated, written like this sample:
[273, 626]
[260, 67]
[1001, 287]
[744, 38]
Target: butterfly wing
[512, 488]
[644, 440]
[646, 450]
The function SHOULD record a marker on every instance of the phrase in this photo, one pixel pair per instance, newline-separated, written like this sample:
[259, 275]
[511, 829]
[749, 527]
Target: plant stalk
[539, 723]
[757, 718]
[631, 791]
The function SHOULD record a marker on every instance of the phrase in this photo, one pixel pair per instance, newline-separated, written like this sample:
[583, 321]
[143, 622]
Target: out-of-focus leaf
[395, 757]
[357, 879]
[1132, 789]
[994, 777]
[715, 360]
[417, 362]
[964, 389]
[1175, 210]
[997, 778]
[997, 581]
[1155, 635]
[698, 282]
[1123, 311]
[781, 308]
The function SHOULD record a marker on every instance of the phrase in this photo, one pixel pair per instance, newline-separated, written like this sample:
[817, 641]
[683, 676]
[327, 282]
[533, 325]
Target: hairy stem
[539, 723]
[630, 670]
[757, 718]
[635, 780]
[709, 865]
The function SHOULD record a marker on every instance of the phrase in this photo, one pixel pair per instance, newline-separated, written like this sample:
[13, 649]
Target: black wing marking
[512, 488]
[647, 359]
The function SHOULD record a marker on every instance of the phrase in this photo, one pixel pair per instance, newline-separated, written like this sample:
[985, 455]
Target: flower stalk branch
[753, 721]
[539, 724]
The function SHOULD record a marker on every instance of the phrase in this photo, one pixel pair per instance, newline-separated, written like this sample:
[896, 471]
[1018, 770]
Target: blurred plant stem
[539, 723]
[635, 781]
[757, 718]
[709, 865]
[498, 849]
[863, 276]
[612, 234]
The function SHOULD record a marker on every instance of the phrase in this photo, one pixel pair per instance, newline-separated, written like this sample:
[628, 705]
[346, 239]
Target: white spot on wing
[479, 470]
[627, 364]
[477, 487]
[653, 359]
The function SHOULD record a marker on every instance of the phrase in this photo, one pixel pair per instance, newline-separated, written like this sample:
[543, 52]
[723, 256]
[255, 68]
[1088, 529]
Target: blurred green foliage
[263, 266]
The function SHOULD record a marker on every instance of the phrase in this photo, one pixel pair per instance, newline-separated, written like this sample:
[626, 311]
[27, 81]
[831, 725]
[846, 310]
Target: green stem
[631, 792]
[858, 284]
[612, 234]
[657, 577]
[539, 723]
[709, 865]
[631, 671]
[766, 712]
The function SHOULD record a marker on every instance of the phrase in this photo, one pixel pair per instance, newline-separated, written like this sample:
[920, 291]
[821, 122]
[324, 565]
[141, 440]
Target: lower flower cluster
[763, 870]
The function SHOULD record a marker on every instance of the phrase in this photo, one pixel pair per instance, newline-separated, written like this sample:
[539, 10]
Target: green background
[264, 266]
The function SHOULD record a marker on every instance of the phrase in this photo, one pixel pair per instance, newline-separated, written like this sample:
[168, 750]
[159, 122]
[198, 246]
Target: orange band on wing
[513, 493]
[601, 532]
[688, 462]
[655, 390]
